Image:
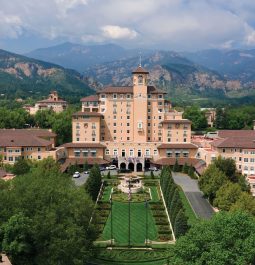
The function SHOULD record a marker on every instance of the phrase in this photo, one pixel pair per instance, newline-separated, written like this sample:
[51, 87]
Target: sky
[181, 25]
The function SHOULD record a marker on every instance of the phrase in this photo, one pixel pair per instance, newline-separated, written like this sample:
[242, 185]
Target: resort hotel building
[131, 127]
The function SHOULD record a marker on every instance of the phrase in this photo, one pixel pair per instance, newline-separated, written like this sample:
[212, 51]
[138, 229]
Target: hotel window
[147, 152]
[149, 110]
[131, 152]
[115, 152]
[160, 96]
[128, 131]
[169, 126]
[114, 117]
[114, 131]
[77, 126]
[184, 140]
[93, 153]
[85, 153]
[10, 158]
[155, 152]
[246, 152]
[102, 138]
[121, 96]
[149, 124]
[246, 160]
[169, 139]
[93, 139]
[128, 124]
[160, 103]
[123, 153]
[169, 153]
[114, 138]
[128, 117]
[149, 103]
[128, 96]
[252, 160]
[140, 125]
[114, 124]
[159, 138]
[102, 95]
[77, 139]
[128, 138]
[185, 153]
[240, 158]
[77, 153]
[140, 80]
[139, 153]
[102, 109]
[223, 150]
[149, 95]
[114, 111]
[149, 117]
[160, 110]
[115, 96]
[159, 117]
[39, 149]
[177, 153]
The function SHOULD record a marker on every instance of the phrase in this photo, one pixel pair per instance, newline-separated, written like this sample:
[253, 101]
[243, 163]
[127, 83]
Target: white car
[111, 167]
[76, 174]
[153, 169]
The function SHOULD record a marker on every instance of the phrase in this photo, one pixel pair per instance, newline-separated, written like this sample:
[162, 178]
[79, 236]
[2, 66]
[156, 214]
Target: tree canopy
[44, 209]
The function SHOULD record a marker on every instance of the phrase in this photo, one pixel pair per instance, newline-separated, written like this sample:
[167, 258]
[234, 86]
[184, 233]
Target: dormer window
[140, 80]
[115, 96]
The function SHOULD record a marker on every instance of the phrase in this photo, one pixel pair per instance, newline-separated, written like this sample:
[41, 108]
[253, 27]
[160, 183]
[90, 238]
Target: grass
[192, 219]
[154, 194]
[106, 194]
[138, 224]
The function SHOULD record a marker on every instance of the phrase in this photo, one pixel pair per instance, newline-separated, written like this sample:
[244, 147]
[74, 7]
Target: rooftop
[177, 146]
[129, 90]
[140, 70]
[90, 98]
[87, 113]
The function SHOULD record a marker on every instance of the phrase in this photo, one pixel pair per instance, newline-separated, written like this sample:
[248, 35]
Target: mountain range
[208, 75]
[24, 77]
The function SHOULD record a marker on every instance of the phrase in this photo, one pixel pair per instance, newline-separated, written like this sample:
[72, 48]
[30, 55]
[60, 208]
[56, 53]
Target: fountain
[134, 184]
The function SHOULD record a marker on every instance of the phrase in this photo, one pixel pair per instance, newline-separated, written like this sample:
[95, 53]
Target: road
[200, 205]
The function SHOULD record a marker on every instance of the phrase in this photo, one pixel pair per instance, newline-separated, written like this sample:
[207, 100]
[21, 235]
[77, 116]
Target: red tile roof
[24, 138]
[91, 114]
[171, 161]
[140, 70]
[82, 161]
[90, 98]
[235, 142]
[129, 90]
[177, 146]
[83, 145]
[52, 101]
[236, 133]
[183, 121]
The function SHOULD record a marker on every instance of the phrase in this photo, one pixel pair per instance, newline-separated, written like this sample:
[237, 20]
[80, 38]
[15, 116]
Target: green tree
[152, 175]
[86, 166]
[181, 224]
[17, 239]
[198, 118]
[211, 180]
[191, 172]
[185, 168]
[227, 166]
[60, 226]
[227, 195]
[228, 238]
[21, 167]
[176, 167]
[94, 182]
[245, 203]
[221, 119]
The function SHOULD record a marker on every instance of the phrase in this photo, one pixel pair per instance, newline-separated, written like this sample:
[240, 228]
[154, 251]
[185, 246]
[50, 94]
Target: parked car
[124, 170]
[86, 172]
[153, 169]
[76, 174]
[102, 168]
[111, 167]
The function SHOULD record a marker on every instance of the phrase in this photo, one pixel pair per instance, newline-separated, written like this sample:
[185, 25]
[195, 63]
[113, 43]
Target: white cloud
[10, 26]
[116, 32]
[65, 5]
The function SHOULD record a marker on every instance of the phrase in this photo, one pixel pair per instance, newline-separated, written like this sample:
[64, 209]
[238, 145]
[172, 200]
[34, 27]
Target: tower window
[140, 80]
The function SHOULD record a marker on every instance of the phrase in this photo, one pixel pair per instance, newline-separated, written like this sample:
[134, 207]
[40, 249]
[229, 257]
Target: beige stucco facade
[128, 125]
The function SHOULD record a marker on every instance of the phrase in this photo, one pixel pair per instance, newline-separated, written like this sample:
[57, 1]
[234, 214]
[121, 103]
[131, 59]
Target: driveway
[81, 180]
[200, 205]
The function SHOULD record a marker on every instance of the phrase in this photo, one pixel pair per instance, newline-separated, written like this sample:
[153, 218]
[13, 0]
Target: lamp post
[146, 226]
[111, 221]
[129, 213]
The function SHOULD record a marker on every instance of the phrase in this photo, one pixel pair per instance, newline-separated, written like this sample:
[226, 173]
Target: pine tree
[86, 166]
[176, 167]
[185, 168]
[181, 224]
[93, 183]
[191, 172]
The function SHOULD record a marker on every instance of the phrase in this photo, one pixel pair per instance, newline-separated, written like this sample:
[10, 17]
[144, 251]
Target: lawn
[138, 224]
[192, 219]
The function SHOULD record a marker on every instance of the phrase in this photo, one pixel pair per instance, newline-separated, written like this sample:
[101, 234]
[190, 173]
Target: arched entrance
[131, 166]
[147, 164]
[123, 165]
[139, 167]
[115, 162]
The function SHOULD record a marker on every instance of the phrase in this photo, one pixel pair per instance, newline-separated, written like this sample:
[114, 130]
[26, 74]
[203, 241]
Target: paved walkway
[200, 205]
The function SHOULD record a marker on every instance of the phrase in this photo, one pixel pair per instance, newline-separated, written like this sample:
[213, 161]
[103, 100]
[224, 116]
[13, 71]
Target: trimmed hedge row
[173, 202]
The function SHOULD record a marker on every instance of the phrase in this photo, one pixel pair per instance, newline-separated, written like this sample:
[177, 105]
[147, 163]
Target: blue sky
[181, 25]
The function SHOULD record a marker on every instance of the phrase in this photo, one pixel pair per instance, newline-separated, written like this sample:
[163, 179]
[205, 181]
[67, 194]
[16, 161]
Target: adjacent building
[130, 126]
[53, 102]
[34, 144]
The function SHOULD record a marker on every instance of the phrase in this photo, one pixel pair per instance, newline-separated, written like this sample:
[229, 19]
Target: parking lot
[84, 176]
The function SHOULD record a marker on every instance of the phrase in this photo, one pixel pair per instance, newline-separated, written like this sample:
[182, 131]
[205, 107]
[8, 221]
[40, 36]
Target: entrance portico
[135, 164]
